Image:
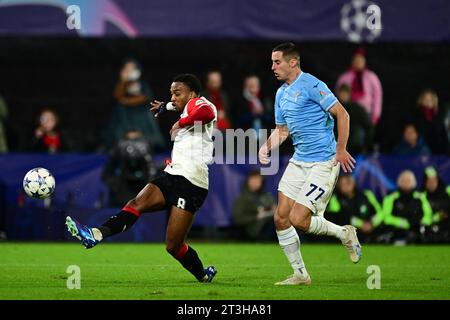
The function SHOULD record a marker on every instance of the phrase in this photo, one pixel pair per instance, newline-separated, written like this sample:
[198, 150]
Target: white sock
[290, 243]
[97, 234]
[321, 226]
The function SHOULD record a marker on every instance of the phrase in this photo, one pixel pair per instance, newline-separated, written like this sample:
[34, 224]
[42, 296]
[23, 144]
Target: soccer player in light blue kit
[304, 109]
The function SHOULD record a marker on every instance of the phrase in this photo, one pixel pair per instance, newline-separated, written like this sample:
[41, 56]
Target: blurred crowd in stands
[410, 214]
[426, 125]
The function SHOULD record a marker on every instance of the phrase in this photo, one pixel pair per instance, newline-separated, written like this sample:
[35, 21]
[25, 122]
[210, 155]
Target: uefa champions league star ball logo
[361, 20]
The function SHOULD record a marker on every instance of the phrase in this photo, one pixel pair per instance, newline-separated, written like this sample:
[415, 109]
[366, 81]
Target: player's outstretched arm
[275, 140]
[343, 125]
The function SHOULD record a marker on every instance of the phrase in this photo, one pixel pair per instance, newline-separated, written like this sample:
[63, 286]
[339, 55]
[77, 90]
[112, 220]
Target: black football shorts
[180, 192]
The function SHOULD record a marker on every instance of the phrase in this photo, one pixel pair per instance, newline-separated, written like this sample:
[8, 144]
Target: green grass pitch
[245, 271]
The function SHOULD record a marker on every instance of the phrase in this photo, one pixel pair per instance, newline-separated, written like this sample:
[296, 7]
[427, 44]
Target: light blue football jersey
[303, 106]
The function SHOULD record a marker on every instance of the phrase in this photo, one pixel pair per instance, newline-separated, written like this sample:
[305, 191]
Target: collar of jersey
[296, 79]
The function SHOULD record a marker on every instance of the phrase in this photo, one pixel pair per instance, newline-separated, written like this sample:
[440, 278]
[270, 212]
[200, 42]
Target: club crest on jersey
[296, 95]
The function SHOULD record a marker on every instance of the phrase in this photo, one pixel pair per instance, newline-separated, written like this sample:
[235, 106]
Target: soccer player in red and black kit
[183, 186]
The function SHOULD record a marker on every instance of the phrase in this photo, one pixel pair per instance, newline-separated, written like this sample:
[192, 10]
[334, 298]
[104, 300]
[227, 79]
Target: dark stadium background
[43, 64]
[77, 76]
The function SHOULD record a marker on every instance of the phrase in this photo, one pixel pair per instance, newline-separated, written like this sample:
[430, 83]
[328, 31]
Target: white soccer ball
[39, 183]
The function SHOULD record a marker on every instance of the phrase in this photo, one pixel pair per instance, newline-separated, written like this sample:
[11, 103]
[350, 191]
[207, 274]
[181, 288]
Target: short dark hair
[189, 80]
[289, 50]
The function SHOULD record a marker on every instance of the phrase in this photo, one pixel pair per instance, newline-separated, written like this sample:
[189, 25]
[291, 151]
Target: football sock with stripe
[118, 223]
[290, 243]
[189, 259]
[320, 226]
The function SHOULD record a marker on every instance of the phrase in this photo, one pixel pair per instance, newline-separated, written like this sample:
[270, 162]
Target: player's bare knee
[281, 222]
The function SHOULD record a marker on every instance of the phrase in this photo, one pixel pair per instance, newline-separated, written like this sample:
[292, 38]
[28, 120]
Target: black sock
[119, 223]
[192, 263]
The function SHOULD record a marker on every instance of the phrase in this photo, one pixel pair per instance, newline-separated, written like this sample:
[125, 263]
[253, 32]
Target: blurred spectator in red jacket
[218, 97]
[253, 109]
[47, 136]
[430, 120]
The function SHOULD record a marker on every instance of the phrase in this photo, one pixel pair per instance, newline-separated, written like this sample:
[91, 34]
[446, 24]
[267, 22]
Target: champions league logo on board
[361, 21]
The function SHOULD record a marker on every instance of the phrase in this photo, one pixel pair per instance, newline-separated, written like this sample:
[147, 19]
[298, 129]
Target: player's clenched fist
[160, 107]
[157, 106]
